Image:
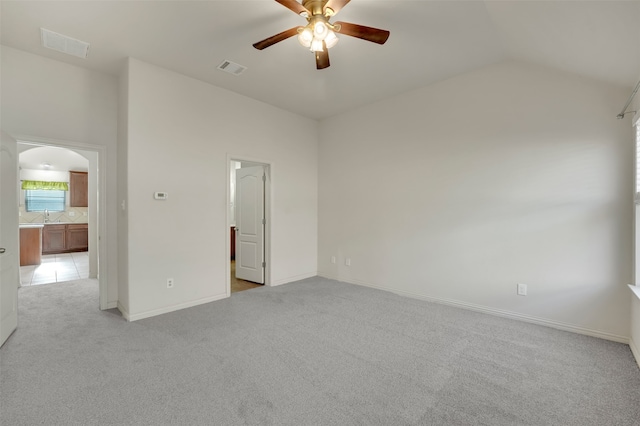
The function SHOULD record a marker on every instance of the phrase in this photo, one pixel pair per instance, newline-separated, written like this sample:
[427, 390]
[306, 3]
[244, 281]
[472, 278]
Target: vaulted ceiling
[430, 41]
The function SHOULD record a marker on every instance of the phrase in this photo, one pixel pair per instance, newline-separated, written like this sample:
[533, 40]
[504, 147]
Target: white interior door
[250, 224]
[9, 245]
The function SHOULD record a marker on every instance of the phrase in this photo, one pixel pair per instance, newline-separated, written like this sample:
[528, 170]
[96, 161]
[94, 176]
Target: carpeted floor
[315, 352]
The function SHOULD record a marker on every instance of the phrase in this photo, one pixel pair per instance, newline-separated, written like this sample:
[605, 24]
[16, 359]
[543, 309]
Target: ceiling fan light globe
[331, 39]
[305, 37]
[320, 30]
[304, 42]
[316, 45]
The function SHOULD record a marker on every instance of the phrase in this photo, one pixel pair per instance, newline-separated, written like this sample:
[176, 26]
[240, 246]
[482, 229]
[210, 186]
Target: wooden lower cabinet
[65, 238]
[54, 239]
[77, 237]
[30, 246]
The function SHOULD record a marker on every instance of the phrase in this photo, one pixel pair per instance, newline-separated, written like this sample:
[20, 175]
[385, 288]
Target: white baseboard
[112, 304]
[123, 311]
[167, 309]
[498, 312]
[294, 278]
[635, 351]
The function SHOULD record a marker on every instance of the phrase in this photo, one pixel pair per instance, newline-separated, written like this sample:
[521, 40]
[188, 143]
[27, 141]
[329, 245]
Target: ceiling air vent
[64, 44]
[231, 67]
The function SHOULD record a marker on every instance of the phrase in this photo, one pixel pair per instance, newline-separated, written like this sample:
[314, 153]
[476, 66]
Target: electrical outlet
[347, 261]
[169, 282]
[333, 259]
[522, 289]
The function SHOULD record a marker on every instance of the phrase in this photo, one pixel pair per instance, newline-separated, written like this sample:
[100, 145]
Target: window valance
[41, 185]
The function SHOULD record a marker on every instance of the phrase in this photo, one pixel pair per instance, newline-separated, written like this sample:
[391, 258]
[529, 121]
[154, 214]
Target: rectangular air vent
[64, 44]
[231, 67]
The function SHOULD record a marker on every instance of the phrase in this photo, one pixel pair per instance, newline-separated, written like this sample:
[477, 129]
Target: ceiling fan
[319, 34]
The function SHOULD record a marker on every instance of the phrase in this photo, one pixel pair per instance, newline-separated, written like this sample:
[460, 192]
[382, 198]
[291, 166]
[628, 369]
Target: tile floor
[56, 268]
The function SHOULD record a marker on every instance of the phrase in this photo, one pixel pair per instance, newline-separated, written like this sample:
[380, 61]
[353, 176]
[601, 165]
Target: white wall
[635, 106]
[123, 193]
[635, 327]
[180, 134]
[51, 100]
[458, 191]
[635, 300]
[232, 191]
[44, 175]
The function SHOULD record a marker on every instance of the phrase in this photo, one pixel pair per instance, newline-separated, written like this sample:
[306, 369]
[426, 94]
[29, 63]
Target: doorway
[249, 206]
[54, 215]
[90, 263]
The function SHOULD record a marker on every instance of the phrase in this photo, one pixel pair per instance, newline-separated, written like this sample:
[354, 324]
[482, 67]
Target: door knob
[2, 250]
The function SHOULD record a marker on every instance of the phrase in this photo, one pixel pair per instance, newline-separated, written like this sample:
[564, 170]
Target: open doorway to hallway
[74, 246]
[239, 284]
[53, 215]
[248, 210]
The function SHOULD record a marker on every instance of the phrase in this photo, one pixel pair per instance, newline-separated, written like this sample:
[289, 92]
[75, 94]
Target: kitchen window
[40, 196]
[39, 200]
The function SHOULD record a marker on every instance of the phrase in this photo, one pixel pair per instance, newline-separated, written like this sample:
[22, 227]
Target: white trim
[123, 311]
[497, 312]
[171, 308]
[294, 278]
[112, 305]
[101, 208]
[635, 289]
[635, 351]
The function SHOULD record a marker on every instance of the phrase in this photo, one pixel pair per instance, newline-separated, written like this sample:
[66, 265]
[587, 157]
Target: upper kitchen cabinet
[78, 189]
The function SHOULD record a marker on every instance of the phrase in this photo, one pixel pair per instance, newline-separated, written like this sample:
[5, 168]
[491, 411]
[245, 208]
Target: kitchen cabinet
[54, 239]
[65, 238]
[78, 189]
[77, 238]
[30, 245]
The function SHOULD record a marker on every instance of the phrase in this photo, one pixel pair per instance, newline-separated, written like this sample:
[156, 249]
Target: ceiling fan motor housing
[316, 7]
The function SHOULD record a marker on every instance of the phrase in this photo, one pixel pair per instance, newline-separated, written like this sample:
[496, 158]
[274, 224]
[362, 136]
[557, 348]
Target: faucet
[46, 216]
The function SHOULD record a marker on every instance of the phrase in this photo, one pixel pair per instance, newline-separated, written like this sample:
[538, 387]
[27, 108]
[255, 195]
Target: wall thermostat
[160, 195]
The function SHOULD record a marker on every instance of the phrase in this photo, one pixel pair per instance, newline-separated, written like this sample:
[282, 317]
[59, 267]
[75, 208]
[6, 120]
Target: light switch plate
[522, 289]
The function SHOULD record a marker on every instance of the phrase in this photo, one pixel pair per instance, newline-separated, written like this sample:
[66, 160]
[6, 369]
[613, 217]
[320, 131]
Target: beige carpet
[314, 352]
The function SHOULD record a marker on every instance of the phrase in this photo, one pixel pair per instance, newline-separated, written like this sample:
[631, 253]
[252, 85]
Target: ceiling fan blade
[322, 58]
[335, 5]
[276, 38]
[365, 33]
[294, 6]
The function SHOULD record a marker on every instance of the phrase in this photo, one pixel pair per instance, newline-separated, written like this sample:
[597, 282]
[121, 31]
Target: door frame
[10, 258]
[268, 215]
[100, 220]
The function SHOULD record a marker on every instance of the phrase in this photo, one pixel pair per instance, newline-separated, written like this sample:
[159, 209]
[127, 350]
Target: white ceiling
[430, 41]
[59, 159]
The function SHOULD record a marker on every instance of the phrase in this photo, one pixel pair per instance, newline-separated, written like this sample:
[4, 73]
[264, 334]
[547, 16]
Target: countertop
[40, 225]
